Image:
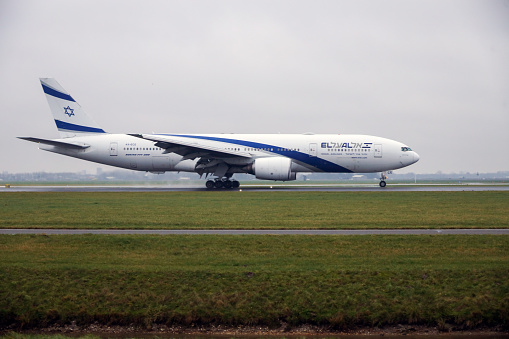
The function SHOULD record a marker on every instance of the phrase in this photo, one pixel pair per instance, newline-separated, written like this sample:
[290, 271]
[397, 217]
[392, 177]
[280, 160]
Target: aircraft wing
[191, 148]
[57, 143]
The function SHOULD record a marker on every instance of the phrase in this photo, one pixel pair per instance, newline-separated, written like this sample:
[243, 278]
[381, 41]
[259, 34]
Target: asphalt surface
[262, 232]
[264, 188]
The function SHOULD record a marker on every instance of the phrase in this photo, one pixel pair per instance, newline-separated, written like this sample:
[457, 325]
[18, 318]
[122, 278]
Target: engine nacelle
[274, 168]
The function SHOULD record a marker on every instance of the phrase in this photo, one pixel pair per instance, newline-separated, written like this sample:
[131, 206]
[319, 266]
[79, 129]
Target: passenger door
[313, 150]
[114, 149]
[378, 150]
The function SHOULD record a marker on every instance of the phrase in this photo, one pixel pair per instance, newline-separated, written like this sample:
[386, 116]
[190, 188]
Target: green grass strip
[255, 210]
[336, 281]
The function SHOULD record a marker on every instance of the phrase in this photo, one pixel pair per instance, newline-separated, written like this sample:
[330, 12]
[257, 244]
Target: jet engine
[274, 168]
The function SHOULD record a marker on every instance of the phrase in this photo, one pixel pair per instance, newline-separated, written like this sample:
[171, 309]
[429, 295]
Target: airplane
[277, 157]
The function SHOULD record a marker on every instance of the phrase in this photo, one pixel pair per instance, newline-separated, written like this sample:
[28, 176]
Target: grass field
[340, 282]
[255, 210]
[336, 281]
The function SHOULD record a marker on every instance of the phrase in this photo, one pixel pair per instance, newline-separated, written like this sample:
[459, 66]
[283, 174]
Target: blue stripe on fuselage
[78, 128]
[56, 94]
[319, 163]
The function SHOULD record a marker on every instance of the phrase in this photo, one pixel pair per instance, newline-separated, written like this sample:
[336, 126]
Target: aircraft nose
[416, 157]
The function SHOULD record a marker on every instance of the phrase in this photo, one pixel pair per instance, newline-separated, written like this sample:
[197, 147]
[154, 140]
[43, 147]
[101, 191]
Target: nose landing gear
[383, 176]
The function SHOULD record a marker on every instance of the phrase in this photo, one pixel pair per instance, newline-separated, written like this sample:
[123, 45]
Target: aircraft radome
[266, 156]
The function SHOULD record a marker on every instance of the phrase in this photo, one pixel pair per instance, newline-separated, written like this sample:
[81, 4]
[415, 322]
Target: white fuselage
[308, 152]
[267, 156]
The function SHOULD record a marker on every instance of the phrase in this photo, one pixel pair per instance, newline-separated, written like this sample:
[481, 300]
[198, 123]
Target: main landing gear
[225, 183]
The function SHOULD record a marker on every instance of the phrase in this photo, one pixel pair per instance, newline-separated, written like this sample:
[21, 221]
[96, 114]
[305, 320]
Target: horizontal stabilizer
[56, 143]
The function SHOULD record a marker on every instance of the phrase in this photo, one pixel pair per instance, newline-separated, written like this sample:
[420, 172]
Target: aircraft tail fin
[70, 118]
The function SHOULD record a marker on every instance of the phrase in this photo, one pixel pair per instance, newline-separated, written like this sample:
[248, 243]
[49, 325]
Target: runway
[265, 188]
[261, 232]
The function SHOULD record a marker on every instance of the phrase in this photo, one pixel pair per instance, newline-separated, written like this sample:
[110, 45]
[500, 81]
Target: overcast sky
[431, 74]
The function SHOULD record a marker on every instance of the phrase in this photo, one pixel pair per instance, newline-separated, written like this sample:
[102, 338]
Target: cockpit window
[406, 149]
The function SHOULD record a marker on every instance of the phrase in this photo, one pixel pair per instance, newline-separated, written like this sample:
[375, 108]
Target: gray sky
[431, 74]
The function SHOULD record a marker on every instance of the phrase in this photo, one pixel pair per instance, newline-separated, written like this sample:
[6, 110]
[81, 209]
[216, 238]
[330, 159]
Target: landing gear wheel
[383, 176]
[219, 183]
